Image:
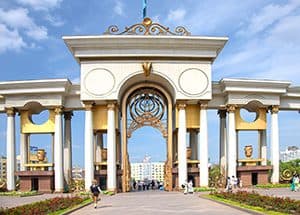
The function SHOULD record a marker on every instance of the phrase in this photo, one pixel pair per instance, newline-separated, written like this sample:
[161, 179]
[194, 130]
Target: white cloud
[18, 19]
[41, 4]
[10, 40]
[269, 49]
[119, 8]
[176, 15]
[54, 21]
[269, 15]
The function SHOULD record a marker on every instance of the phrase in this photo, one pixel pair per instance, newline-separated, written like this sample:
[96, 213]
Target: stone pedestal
[252, 175]
[44, 180]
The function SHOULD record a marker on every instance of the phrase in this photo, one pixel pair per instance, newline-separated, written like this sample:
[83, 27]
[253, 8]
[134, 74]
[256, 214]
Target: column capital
[222, 113]
[274, 109]
[10, 111]
[68, 115]
[58, 110]
[203, 105]
[88, 105]
[181, 106]
[231, 108]
[111, 106]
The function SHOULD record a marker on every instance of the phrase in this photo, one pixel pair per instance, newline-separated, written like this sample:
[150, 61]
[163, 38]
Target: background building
[291, 153]
[147, 170]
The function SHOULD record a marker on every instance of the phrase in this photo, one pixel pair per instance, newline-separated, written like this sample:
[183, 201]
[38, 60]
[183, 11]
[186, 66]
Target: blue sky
[264, 42]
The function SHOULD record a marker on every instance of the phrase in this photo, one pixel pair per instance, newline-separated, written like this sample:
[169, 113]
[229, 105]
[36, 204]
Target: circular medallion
[193, 81]
[99, 81]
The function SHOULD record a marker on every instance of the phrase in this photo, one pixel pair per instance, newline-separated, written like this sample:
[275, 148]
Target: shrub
[284, 205]
[44, 207]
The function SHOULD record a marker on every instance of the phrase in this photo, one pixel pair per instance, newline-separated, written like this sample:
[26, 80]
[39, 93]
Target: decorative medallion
[147, 107]
[99, 82]
[147, 27]
[193, 81]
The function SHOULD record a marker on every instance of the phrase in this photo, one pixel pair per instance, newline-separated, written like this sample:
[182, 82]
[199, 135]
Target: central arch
[146, 103]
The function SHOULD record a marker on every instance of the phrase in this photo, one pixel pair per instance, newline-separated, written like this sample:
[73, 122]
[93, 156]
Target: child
[95, 189]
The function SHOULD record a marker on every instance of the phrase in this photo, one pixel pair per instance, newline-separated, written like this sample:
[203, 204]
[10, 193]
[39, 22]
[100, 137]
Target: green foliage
[272, 185]
[44, 207]
[284, 205]
[288, 169]
[109, 193]
[19, 193]
[204, 189]
[216, 178]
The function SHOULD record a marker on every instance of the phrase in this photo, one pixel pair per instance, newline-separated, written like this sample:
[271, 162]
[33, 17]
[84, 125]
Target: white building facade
[291, 153]
[146, 171]
[150, 77]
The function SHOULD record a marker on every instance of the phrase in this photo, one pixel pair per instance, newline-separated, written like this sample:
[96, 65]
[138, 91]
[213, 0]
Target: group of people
[147, 185]
[295, 183]
[233, 183]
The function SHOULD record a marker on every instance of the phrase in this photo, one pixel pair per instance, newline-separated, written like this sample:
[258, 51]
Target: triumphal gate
[146, 75]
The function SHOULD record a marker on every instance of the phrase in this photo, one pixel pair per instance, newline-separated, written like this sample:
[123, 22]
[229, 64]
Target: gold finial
[147, 67]
[147, 21]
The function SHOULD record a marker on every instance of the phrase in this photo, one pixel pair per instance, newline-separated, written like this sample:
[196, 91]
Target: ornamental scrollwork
[146, 107]
[147, 27]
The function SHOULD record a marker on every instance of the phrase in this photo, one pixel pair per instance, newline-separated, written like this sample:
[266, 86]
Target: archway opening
[146, 133]
[147, 155]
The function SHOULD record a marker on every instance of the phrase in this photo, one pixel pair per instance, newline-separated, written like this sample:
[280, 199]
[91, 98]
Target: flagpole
[144, 9]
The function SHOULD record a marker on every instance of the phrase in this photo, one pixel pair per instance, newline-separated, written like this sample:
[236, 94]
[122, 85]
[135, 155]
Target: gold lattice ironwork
[147, 27]
[146, 107]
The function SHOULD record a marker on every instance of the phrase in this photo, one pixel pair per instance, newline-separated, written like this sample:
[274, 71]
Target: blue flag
[144, 8]
[33, 148]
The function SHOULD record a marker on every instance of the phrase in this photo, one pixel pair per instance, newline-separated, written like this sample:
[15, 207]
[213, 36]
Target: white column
[68, 147]
[10, 150]
[23, 151]
[275, 144]
[231, 143]
[88, 147]
[223, 162]
[111, 149]
[203, 149]
[58, 152]
[182, 160]
[263, 146]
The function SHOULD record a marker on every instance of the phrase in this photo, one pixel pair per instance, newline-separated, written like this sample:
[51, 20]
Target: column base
[114, 190]
[59, 191]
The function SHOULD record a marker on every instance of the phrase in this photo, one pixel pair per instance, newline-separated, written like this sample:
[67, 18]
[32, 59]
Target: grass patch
[204, 189]
[68, 210]
[272, 186]
[20, 194]
[241, 205]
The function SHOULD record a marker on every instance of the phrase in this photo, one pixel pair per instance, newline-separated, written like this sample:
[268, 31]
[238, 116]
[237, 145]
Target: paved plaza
[157, 202]
[152, 202]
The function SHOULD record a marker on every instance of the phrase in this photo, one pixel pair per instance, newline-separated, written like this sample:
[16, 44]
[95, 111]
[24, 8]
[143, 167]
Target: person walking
[228, 185]
[95, 189]
[296, 182]
[293, 187]
[190, 187]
